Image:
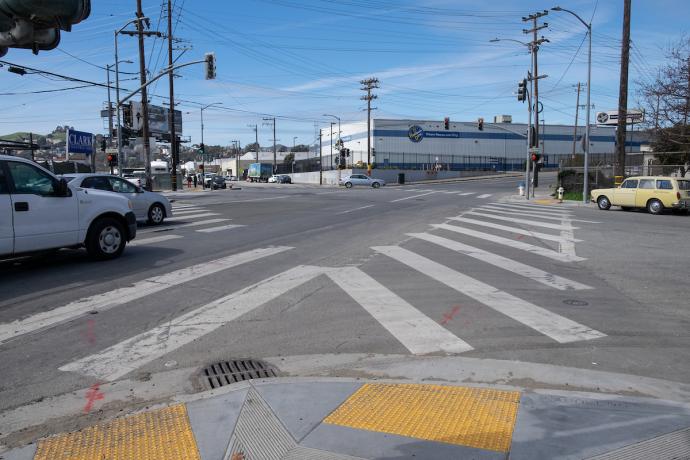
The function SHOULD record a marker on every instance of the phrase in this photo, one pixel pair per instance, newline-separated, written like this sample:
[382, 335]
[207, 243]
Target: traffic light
[210, 66]
[480, 124]
[112, 159]
[103, 145]
[202, 149]
[446, 123]
[536, 157]
[522, 91]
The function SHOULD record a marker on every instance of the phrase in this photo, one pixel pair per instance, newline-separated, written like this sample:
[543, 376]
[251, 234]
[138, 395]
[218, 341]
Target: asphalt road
[286, 270]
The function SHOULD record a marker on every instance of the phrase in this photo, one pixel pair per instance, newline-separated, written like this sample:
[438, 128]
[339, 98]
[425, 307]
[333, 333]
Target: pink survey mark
[519, 237]
[449, 316]
[93, 394]
[90, 333]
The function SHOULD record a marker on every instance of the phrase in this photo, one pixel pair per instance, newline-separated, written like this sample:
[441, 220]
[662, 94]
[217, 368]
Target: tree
[289, 158]
[667, 100]
[250, 147]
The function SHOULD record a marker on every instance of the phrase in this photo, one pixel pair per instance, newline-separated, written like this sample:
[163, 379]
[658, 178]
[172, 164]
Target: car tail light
[678, 195]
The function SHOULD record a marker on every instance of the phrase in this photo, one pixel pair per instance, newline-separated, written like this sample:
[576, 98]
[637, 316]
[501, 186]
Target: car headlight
[130, 204]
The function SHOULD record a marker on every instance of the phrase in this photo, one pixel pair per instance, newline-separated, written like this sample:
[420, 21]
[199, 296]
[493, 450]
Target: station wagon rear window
[684, 184]
[664, 185]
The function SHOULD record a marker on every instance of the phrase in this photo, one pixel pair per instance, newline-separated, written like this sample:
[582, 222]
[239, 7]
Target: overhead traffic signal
[522, 90]
[480, 124]
[210, 66]
[446, 123]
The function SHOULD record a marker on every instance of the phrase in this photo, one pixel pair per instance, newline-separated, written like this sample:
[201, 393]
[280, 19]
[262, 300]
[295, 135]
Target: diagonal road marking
[153, 240]
[505, 263]
[416, 331]
[559, 328]
[356, 209]
[521, 221]
[538, 215]
[411, 197]
[511, 243]
[218, 229]
[127, 356]
[192, 216]
[486, 195]
[520, 231]
[138, 290]
[548, 209]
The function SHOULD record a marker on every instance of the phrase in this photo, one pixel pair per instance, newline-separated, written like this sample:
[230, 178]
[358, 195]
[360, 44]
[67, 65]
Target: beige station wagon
[654, 193]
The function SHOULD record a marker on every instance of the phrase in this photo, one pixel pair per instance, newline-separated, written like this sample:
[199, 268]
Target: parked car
[285, 179]
[137, 179]
[361, 179]
[218, 182]
[274, 179]
[149, 207]
[655, 193]
[41, 212]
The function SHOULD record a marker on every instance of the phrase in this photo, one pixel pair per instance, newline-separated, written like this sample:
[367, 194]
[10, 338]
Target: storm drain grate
[229, 372]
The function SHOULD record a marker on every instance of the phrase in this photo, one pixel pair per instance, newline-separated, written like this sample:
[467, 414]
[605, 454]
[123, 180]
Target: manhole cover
[576, 303]
[229, 372]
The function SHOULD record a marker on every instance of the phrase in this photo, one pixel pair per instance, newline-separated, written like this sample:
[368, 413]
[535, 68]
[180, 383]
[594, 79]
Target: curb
[350, 419]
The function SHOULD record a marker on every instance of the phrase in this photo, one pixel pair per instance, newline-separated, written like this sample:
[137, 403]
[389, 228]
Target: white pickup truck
[40, 212]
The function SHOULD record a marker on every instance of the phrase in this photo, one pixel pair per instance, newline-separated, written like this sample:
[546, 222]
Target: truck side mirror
[61, 188]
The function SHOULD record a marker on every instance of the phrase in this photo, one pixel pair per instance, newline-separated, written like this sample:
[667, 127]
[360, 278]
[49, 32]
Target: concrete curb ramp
[311, 420]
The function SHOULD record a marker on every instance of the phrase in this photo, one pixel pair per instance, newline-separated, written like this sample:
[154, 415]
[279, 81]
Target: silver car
[361, 179]
[148, 206]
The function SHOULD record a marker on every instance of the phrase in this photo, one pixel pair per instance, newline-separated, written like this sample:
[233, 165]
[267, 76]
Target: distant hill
[40, 139]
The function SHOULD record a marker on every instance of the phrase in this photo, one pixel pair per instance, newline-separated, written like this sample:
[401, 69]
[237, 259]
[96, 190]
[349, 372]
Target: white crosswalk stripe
[124, 357]
[412, 197]
[138, 290]
[486, 195]
[416, 331]
[531, 212]
[504, 263]
[550, 210]
[511, 243]
[467, 193]
[506, 228]
[152, 240]
[183, 212]
[192, 216]
[523, 221]
[514, 212]
[559, 328]
[218, 229]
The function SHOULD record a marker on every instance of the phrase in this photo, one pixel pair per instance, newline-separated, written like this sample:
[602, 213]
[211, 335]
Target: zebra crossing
[185, 216]
[405, 321]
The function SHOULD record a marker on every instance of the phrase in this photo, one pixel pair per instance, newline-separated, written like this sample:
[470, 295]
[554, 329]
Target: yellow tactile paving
[163, 434]
[473, 417]
[547, 201]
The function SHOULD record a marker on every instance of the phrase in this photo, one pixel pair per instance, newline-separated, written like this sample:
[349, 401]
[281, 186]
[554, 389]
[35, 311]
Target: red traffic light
[110, 158]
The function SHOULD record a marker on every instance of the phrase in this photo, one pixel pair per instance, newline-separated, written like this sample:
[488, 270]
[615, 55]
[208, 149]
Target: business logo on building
[633, 116]
[79, 142]
[415, 134]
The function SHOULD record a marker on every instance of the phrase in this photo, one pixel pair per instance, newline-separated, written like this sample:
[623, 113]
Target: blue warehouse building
[425, 144]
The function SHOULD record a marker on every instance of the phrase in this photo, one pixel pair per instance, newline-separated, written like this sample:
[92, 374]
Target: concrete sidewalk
[331, 419]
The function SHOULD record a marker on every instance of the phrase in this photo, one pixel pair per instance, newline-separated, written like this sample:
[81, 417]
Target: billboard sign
[611, 117]
[79, 142]
[159, 119]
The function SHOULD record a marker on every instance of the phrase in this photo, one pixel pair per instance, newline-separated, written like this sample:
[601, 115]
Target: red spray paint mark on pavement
[519, 237]
[449, 316]
[91, 331]
[93, 394]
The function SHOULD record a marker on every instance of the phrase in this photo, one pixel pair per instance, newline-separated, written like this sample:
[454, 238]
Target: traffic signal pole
[173, 135]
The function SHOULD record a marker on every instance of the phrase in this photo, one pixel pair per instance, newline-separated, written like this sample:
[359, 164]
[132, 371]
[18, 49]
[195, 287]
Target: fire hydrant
[560, 194]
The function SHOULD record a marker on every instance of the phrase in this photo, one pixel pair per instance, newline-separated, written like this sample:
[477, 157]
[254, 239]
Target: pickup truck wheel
[156, 214]
[603, 203]
[106, 239]
[655, 207]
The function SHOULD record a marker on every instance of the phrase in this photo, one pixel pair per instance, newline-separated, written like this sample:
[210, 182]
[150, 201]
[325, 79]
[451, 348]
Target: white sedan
[149, 207]
[361, 179]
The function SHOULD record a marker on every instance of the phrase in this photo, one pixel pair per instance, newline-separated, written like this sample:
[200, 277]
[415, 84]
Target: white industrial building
[424, 144]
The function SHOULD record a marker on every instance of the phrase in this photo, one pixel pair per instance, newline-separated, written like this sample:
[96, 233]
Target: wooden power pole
[144, 95]
[368, 85]
[619, 163]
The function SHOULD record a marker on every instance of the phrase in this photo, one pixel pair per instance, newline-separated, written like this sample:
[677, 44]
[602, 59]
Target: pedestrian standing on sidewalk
[194, 180]
[189, 181]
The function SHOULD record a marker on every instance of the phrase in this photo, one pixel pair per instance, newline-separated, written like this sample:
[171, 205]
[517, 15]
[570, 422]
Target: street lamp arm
[143, 18]
[163, 73]
[558, 8]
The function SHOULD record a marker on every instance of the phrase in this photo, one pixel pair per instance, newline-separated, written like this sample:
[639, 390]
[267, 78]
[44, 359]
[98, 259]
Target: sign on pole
[633, 116]
[79, 142]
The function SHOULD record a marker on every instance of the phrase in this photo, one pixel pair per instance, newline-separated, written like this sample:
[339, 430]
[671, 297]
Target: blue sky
[299, 59]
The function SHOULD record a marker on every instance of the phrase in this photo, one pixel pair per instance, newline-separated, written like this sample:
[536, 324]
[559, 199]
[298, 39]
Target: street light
[337, 118]
[117, 94]
[494, 40]
[203, 154]
[110, 104]
[585, 185]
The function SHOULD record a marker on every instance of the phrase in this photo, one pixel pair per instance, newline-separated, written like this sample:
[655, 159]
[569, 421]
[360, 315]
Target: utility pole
[273, 122]
[144, 95]
[320, 159]
[535, 66]
[173, 136]
[110, 108]
[619, 163]
[256, 132]
[368, 85]
[577, 114]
